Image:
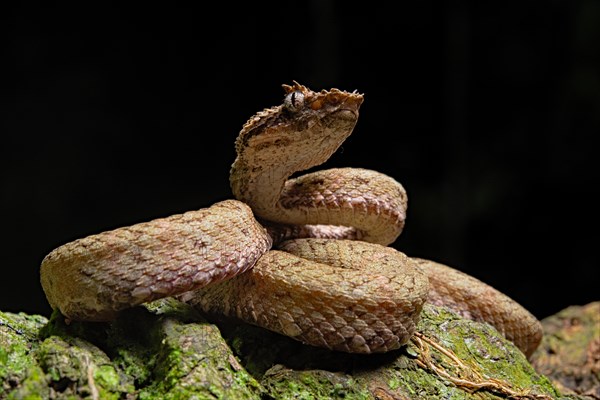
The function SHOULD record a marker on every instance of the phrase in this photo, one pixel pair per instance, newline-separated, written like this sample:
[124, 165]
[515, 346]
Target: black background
[485, 112]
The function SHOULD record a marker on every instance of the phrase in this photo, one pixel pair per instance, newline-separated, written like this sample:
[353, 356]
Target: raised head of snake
[302, 132]
[299, 134]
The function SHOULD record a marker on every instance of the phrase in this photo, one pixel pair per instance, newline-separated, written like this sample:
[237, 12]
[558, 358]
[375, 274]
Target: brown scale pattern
[343, 295]
[95, 277]
[367, 198]
[325, 290]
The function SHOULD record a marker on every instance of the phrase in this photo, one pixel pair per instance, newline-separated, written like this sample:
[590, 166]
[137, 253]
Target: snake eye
[294, 101]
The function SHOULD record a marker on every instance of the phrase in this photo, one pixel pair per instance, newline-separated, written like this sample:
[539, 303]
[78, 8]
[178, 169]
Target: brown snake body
[312, 265]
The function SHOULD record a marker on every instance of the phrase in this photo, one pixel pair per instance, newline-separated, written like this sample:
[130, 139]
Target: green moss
[478, 346]
[172, 308]
[78, 368]
[106, 376]
[283, 383]
[158, 354]
[132, 342]
[34, 386]
[177, 355]
[411, 381]
[23, 324]
[18, 339]
[166, 351]
[393, 382]
[193, 360]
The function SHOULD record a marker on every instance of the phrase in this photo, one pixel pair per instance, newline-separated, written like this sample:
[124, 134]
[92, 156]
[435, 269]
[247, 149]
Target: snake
[307, 256]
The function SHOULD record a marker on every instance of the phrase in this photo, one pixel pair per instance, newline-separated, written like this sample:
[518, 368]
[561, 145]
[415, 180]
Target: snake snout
[346, 114]
[342, 120]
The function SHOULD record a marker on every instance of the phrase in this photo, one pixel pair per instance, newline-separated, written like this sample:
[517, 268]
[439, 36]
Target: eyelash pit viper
[304, 256]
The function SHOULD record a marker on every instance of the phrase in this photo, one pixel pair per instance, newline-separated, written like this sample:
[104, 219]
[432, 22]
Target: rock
[169, 353]
[570, 350]
[166, 350]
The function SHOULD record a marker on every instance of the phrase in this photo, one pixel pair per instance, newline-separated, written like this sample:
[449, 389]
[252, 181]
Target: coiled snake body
[305, 257]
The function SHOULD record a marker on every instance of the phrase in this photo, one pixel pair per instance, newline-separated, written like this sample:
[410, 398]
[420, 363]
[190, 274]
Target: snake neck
[301, 133]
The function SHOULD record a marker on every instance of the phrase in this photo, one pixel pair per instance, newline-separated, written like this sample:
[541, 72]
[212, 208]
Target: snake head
[308, 125]
[300, 99]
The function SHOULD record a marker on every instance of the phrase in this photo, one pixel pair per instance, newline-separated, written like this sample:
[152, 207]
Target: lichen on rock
[19, 371]
[167, 350]
[485, 365]
[164, 354]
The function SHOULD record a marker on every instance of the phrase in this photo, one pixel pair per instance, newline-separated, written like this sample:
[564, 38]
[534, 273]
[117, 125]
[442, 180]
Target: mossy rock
[570, 350]
[166, 353]
[166, 350]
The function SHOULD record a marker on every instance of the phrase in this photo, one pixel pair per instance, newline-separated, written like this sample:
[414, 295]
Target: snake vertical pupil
[294, 100]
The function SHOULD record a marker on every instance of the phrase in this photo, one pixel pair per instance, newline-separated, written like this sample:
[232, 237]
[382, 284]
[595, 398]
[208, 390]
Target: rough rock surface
[166, 350]
[570, 350]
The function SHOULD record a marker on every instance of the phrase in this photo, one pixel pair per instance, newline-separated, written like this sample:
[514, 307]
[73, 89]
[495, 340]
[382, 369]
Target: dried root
[462, 375]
